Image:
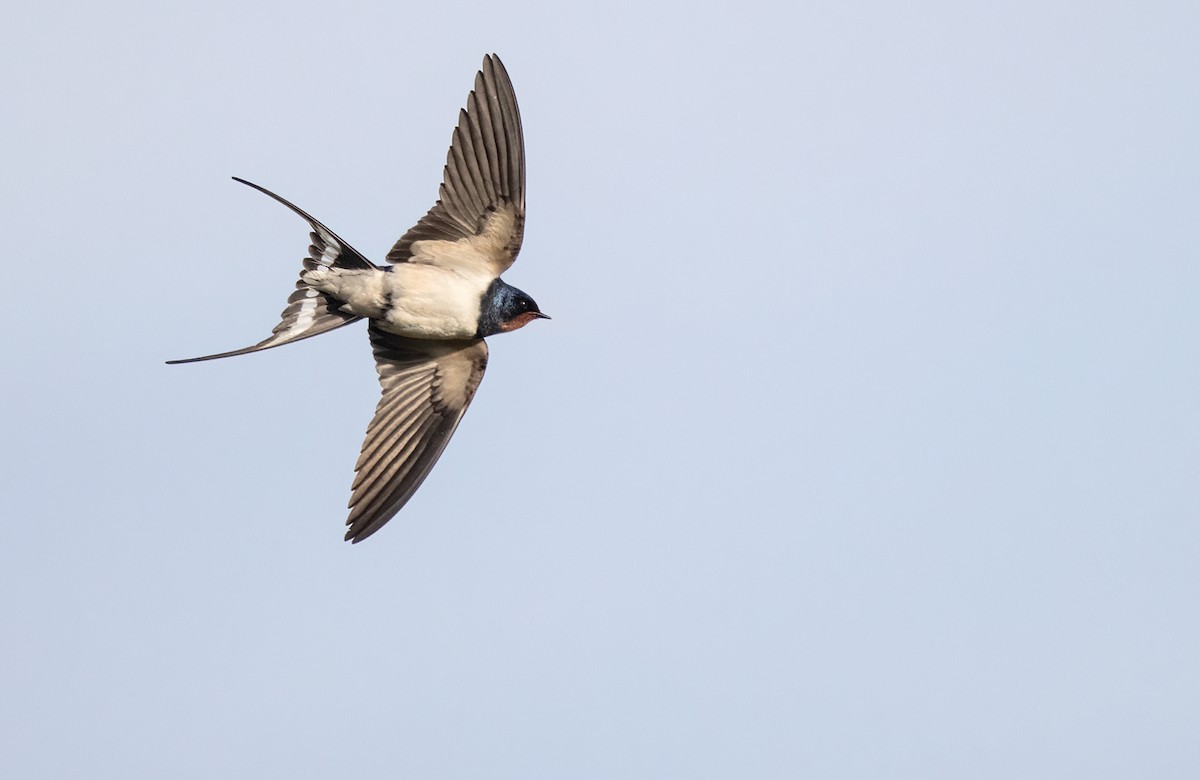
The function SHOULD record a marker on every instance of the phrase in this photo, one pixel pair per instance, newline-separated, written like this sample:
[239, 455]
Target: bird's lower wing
[427, 386]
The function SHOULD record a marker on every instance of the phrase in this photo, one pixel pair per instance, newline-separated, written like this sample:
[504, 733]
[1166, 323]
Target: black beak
[541, 316]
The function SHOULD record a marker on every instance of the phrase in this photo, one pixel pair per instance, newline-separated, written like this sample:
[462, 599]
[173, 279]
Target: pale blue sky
[863, 442]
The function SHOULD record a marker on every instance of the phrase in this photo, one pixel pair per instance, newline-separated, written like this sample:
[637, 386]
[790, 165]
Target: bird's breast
[432, 303]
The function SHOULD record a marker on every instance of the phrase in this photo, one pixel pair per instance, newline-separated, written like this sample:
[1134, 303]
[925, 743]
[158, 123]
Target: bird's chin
[521, 320]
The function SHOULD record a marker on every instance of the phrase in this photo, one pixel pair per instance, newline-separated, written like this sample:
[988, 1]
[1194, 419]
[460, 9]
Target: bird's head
[504, 308]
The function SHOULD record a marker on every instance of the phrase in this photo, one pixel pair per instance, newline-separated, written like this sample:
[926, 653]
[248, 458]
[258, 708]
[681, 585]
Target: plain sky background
[864, 441]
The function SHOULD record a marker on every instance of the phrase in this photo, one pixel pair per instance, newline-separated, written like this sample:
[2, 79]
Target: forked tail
[309, 312]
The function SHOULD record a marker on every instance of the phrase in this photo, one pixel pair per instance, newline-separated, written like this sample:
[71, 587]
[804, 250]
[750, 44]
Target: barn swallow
[430, 308]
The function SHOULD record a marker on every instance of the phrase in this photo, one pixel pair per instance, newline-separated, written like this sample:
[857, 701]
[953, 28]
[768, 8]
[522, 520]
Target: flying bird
[430, 308]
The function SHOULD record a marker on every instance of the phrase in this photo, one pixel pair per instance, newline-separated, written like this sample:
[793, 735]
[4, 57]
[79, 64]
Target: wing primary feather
[376, 454]
[469, 174]
[480, 136]
[514, 135]
[402, 456]
[497, 143]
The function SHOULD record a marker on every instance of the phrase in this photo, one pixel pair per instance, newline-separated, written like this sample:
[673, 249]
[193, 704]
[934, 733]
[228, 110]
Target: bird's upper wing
[479, 219]
[427, 386]
[309, 312]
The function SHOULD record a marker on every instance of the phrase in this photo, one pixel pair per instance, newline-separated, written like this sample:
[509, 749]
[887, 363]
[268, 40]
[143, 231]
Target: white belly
[432, 303]
[413, 299]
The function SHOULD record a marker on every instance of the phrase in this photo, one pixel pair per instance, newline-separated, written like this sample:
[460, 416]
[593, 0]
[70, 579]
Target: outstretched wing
[479, 220]
[309, 312]
[427, 386]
